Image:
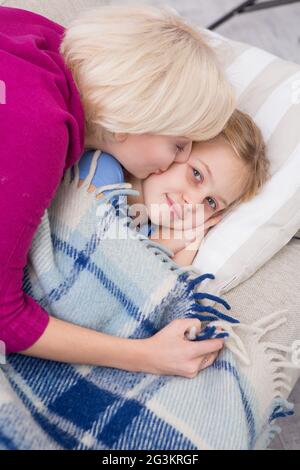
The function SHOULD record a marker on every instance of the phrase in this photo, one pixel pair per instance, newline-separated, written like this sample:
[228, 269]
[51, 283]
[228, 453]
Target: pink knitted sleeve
[33, 148]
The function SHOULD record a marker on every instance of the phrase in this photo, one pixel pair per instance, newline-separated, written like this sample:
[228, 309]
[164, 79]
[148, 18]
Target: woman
[121, 79]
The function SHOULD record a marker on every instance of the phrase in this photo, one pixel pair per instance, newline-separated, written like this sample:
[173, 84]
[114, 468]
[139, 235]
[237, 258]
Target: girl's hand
[169, 352]
[190, 239]
[198, 234]
[186, 256]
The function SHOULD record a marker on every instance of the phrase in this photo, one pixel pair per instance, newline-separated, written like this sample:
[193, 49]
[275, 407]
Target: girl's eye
[212, 202]
[197, 174]
[214, 205]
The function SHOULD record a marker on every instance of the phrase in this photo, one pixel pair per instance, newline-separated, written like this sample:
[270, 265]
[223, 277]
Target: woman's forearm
[66, 342]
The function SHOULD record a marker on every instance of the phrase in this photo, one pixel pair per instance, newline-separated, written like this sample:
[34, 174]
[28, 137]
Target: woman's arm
[168, 352]
[66, 342]
[37, 137]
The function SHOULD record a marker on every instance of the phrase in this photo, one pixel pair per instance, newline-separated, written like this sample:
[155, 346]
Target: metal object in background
[248, 7]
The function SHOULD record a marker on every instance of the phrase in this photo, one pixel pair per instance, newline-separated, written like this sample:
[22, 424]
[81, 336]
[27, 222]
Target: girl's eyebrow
[208, 170]
[211, 176]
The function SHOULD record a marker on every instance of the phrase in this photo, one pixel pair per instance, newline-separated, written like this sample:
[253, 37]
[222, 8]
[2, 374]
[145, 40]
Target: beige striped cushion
[268, 88]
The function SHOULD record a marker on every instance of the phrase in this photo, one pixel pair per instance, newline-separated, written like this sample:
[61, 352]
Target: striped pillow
[268, 88]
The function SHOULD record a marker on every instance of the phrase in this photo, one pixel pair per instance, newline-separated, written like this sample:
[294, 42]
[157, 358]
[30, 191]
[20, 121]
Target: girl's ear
[120, 136]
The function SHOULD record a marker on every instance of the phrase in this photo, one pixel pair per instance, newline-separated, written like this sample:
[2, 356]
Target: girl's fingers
[189, 235]
[197, 233]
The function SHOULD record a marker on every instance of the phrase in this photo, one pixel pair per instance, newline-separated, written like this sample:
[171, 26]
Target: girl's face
[204, 186]
[143, 154]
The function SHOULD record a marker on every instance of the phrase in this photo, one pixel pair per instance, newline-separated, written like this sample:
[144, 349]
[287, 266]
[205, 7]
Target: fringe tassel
[280, 408]
[278, 359]
[267, 436]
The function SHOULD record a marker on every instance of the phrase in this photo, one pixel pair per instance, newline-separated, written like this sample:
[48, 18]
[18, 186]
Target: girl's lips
[174, 207]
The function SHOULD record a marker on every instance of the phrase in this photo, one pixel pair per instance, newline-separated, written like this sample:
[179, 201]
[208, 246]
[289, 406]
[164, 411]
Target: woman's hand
[169, 352]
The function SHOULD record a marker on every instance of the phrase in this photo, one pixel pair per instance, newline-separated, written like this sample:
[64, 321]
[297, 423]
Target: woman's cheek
[169, 159]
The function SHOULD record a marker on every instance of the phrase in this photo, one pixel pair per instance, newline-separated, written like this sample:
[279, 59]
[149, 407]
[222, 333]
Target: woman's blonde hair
[246, 139]
[140, 69]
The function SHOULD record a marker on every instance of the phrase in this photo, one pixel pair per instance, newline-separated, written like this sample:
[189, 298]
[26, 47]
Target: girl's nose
[194, 197]
[194, 208]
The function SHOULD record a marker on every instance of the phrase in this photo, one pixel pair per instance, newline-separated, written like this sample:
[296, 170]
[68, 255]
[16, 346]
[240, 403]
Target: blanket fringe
[278, 353]
[280, 359]
[267, 436]
[279, 408]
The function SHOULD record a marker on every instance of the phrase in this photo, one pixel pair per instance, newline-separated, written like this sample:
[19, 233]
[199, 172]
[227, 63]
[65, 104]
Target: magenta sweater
[41, 134]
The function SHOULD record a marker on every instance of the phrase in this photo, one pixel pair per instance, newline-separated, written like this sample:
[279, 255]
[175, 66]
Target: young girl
[219, 174]
[136, 82]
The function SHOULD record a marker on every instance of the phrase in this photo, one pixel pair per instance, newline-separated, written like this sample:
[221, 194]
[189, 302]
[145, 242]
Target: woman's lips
[175, 208]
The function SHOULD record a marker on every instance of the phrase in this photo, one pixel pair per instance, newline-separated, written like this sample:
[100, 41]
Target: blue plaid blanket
[88, 266]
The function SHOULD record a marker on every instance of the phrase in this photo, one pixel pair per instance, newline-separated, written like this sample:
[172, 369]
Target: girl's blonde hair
[246, 139]
[140, 69]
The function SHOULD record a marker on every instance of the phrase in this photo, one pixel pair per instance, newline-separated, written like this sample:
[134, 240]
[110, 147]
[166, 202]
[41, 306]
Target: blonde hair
[140, 69]
[246, 139]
